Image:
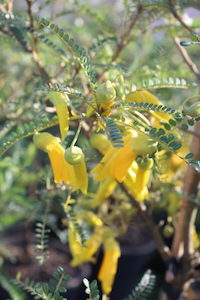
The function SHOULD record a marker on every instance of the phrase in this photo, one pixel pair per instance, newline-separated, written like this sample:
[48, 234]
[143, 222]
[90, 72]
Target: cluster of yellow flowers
[129, 165]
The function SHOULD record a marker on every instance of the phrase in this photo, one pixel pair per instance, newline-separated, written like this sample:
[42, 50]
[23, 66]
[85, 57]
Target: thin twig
[31, 18]
[187, 58]
[124, 40]
[10, 6]
[146, 217]
[178, 18]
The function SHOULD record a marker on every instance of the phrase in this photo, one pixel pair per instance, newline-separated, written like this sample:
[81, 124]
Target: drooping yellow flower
[75, 157]
[104, 190]
[109, 265]
[100, 142]
[116, 161]
[84, 253]
[59, 100]
[137, 180]
[90, 218]
[142, 179]
[62, 170]
[145, 96]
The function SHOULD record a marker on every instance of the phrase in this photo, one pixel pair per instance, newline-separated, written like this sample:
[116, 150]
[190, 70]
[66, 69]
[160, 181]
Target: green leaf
[189, 155]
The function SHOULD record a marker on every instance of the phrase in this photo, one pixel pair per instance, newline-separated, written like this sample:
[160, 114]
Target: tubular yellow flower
[141, 182]
[75, 157]
[137, 184]
[59, 100]
[116, 162]
[145, 96]
[105, 189]
[109, 265]
[90, 217]
[62, 170]
[84, 253]
[100, 142]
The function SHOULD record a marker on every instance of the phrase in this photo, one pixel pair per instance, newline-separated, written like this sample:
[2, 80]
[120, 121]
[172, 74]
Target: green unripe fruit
[143, 145]
[194, 110]
[105, 92]
[74, 155]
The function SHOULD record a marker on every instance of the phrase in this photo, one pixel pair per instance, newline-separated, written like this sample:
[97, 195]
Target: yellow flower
[109, 265]
[84, 253]
[100, 142]
[105, 189]
[137, 183]
[75, 157]
[90, 217]
[59, 100]
[62, 170]
[145, 96]
[116, 161]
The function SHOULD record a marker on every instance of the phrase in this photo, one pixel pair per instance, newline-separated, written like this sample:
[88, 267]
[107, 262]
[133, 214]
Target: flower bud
[74, 155]
[105, 92]
[100, 142]
[194, 110]
[143, 144]
[57, 97]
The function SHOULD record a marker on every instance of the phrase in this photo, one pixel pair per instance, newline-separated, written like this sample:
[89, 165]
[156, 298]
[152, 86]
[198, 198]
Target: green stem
[76, 135]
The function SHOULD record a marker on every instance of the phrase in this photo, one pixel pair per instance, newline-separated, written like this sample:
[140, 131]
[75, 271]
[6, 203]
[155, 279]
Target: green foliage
[24, 131]
[13, 291]
[177, 83]
[76, 49]
[148, 107]
[144, 287]
[42, 242]
[114, 133]
[71, 214]
[48, 291]
[91, 289]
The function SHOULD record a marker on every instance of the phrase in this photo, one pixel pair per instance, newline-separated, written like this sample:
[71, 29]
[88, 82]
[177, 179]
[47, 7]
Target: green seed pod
[105, 92]
[74, 155]
[194, 110]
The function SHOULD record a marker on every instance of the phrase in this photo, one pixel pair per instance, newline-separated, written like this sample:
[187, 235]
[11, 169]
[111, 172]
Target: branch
[182, 243]
[125, 35]
[187, 58]
[146, 217]
[31, 18]
[178, 18]
[44, 74]
[10, 6]
[124, 40]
